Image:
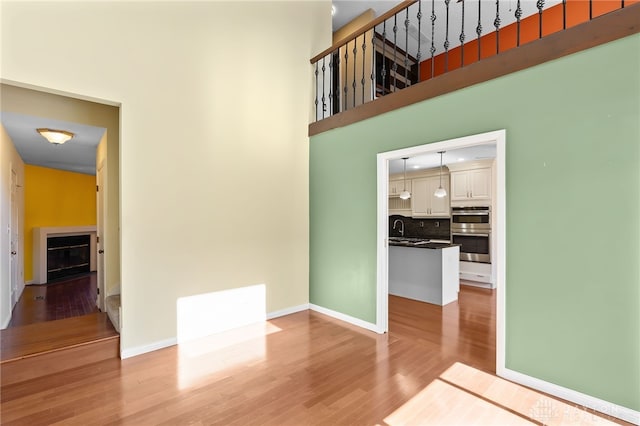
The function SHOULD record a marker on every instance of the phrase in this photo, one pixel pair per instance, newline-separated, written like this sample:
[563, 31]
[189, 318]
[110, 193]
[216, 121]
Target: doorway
[90, 118]
[499, 139]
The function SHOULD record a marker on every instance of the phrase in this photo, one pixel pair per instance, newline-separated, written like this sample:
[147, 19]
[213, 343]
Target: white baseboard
[346, 318]
[5, 323]
[139, 350]
[28, 282]
[287, 311]
[587, 401]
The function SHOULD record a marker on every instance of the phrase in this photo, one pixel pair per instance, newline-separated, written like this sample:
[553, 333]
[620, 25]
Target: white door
[100, 205]
[15, 241]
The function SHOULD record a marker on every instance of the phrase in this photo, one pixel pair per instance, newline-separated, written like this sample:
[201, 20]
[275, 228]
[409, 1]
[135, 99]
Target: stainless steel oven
[471, 228]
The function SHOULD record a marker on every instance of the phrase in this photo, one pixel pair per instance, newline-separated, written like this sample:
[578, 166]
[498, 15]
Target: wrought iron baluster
[496, 24]
[446, 37]
[518, 16]
[383, 73]
[406, 46]
[590, 9]
[462, 37]
[364, 49]
[394, 67]
[622, 4]
[336, 95]
[564, 14]
[355, 56]
[419, 17]
[331, 84]
[316, 101]
[373, 63]
[479, 27]
[433, 28]
[324, 99]
[346, 74]
[540, 5]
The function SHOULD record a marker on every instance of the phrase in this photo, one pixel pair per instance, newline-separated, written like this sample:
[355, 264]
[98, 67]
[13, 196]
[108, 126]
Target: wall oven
[471, 228]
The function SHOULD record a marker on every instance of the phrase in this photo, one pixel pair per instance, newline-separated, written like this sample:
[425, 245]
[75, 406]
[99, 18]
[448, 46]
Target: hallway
[72, 297]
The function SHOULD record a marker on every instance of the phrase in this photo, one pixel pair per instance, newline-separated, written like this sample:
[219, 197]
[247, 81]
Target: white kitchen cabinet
[424, 203]
[397, 186]
[471, 184]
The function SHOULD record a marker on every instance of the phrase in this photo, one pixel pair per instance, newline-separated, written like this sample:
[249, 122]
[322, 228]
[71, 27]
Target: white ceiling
[77, 155]
[432, 159]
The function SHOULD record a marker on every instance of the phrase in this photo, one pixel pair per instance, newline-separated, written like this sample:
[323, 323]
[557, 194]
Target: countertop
[420, 243]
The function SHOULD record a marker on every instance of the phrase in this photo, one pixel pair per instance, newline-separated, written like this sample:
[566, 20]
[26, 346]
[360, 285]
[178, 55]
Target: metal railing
[419, 40]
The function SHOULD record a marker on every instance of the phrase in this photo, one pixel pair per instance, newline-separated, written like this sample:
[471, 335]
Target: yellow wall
[55, 198]
[214, 149]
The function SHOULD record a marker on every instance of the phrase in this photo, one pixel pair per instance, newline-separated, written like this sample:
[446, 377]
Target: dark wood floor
[68, 298]
[433, 367]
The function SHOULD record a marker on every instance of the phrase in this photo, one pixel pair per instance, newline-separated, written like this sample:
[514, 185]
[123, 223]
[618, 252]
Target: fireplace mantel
[40, 236]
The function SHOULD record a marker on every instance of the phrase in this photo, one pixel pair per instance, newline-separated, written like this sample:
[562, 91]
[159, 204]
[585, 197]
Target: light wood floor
[433, 367]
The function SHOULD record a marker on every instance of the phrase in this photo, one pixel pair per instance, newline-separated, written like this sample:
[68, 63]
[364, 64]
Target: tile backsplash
[421, 228]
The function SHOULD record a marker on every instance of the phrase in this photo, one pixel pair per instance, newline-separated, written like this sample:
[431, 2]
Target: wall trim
[597, 404]
[143, 349]
[346, 318]
[287, 311]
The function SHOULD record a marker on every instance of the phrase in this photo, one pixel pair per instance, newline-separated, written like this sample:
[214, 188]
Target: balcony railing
[423, 40]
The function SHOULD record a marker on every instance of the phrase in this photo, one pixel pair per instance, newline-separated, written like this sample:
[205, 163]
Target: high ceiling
[77, 155]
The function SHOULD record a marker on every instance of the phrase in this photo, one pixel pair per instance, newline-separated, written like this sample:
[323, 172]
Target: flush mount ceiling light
[56, 137]
[405, 195]
[440, 192]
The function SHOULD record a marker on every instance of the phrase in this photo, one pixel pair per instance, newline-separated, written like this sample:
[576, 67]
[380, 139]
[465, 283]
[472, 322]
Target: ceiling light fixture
[405, 195]
[56, 137]
[440, 192]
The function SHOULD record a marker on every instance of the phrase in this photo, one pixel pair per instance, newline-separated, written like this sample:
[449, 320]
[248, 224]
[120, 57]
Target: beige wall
[9, 160]
[215, 101]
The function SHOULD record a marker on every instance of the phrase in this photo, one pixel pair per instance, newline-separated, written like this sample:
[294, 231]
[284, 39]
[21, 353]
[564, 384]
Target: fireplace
[41, 237]
[67, 256]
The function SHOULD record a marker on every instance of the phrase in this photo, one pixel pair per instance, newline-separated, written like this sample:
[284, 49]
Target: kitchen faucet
[395, 222]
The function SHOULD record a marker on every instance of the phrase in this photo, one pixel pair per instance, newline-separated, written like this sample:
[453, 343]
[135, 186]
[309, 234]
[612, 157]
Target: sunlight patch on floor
[520, 399]
[220, 330]
[465, 395]
[199, 359]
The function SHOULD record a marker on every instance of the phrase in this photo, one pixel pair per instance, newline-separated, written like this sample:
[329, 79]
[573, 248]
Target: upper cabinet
[471, 183]
[397, 186]
[424, 203]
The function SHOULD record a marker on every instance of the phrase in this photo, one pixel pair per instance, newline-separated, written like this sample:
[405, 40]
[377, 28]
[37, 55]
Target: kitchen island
[424, 270]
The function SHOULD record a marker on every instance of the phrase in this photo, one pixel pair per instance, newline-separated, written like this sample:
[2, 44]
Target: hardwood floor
[433, 367]
[68, 298]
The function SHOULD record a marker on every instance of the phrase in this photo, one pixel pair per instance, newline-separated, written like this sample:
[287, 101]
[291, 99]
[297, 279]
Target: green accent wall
[573, 212]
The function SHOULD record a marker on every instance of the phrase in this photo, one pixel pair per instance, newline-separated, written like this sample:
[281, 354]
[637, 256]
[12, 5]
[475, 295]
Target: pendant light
[405, 195]
[440, 192]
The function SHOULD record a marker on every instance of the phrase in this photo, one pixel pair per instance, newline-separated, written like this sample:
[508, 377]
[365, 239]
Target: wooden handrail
[362, 30]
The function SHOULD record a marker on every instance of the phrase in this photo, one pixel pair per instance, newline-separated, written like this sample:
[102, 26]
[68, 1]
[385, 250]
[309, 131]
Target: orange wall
[577, 13]
[55, 198]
